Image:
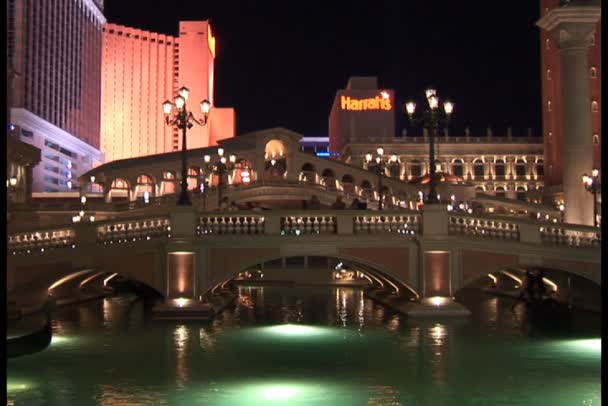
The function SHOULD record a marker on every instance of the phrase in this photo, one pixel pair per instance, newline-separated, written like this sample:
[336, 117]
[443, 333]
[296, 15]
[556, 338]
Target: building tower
[54, 49]
[571, 52]
[142, 69]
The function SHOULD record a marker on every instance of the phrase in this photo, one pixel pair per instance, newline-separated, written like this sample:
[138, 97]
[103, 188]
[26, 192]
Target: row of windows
[136, 36]
[478, 168]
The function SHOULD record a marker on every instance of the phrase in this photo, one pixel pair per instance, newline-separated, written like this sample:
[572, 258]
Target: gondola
[31, 343]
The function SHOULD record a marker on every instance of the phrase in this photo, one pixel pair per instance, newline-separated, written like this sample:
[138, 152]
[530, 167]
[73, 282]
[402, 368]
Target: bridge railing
[230, 224]
[309, 222]
[110, 232]
[528, 231]
[40, 241]
[486, 227]
[388, 223]
[571, 235]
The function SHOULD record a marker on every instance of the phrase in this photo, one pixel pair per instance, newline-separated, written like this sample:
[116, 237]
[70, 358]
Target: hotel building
[54, 54]
[142, 69]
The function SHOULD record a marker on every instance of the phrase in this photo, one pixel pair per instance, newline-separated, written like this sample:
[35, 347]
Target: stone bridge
[184, 252]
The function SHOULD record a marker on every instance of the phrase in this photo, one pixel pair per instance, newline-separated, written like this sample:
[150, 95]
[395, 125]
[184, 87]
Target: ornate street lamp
[183, 119]
[220, 166]
[431, 119]
[378, 165]
[592, 184]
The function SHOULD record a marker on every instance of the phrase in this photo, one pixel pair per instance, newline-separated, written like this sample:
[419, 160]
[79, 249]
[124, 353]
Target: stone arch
[458, 168]
[367, 191]
[169, 183]
[520, 167]
[119, 188]
[274, 149]
[145, 183]
[194, 178]
[308, 173]
[348, 184]
[415, 168]
[328, 178]
[389, 279]
[478, 168]
[499, 168]
[500, 191]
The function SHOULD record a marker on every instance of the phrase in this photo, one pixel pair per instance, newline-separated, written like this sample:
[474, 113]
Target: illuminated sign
[381, 102]
[327, 154]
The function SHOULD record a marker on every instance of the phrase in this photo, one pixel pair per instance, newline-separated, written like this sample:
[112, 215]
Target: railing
[308, 224]
[230, 224]
[571, 235]
[41, 241]
[133, 230]
[459, 224]
[401, 224]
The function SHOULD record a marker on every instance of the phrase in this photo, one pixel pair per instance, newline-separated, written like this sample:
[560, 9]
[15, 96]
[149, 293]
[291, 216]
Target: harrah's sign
[381, 102]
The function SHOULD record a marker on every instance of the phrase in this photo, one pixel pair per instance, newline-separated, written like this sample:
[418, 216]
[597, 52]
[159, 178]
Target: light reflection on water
[308, 346]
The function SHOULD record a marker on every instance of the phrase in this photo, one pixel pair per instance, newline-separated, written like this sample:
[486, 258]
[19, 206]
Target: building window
[549, 108]
[547, 44]
[478, 168]
[479, 190]
[457, 169]
[415, 168]
[500, 191]
[499, 168]
[540, 167]
[593, 73]
[595, 107]
[550, 137]
[596, 139]
[521, 193]
[548, 74]
[520, 167]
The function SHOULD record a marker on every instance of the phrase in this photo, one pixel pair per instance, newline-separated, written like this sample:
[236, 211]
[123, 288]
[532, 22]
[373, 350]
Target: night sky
[279, 63]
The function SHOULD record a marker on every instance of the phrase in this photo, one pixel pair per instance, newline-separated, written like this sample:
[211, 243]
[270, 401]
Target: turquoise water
[310, 346]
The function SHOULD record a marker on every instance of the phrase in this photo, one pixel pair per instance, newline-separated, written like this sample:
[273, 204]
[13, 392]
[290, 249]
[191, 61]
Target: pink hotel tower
[140, 70]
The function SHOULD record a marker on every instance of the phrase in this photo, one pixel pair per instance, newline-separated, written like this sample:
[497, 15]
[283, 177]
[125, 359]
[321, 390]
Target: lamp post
[378, 165]
[220, 167]
[431, 119]
[183, 119]
[592, 184]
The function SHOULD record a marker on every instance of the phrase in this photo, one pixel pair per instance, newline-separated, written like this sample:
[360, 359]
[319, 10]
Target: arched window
[520, 167]
[500, 191]
[499, 168]
[329, 179]
[479, 190]
[547, 44]
[415, 168]
[308, 173]
[366, 190]
[521, 193]
[478, 168]
[593, 73]
[120, 184]
[540, 167]
[549, 105]
[193, 180]
[168, 185]
[596, 138]
[548, 74]
[595, 107]
[348, 183]
[457, 169]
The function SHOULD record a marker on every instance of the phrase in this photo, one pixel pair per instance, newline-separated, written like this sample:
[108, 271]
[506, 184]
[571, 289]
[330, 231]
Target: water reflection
[180, 339]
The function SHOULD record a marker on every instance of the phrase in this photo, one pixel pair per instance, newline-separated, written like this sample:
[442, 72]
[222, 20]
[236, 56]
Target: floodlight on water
[296, 330]
[279, 392]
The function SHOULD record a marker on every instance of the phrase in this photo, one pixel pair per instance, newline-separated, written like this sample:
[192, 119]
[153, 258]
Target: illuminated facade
[571, 81]
[54, 50]
[359, 112]
[140, 70]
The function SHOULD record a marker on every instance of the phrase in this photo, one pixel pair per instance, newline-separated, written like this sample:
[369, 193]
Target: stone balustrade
[309, 224]
[41, 241]
[571, 235]
[231, 224]
[391, 223]
[461, 224]
[133, 230]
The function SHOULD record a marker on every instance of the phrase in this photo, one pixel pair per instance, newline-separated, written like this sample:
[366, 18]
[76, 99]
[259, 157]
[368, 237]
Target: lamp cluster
[431, 119]
[378, 165]
[592, 184]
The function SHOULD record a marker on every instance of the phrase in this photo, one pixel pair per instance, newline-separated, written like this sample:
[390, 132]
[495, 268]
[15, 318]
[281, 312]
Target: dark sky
[279, 63]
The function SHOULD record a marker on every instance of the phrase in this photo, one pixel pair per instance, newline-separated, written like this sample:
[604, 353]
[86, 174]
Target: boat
[31, 343]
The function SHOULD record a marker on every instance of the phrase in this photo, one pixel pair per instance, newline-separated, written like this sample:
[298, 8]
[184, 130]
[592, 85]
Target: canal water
[310, 346]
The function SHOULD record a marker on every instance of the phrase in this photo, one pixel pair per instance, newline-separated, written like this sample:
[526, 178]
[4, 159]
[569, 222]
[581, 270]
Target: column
[572, 27]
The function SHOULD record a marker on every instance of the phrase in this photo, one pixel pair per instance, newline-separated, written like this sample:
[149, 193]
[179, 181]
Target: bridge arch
[377, 273]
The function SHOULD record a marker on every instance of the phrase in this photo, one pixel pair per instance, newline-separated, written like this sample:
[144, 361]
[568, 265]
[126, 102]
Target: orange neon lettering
[372, 103]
